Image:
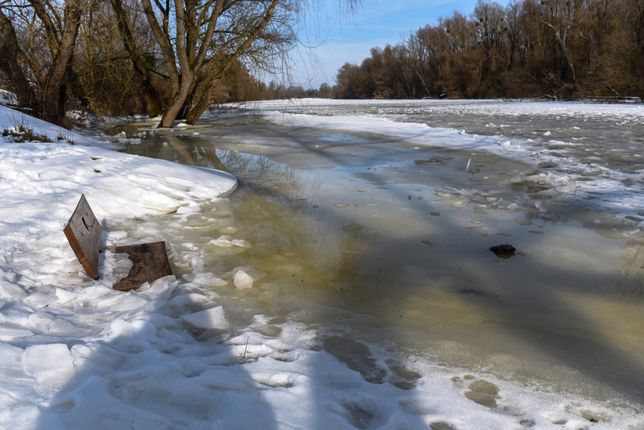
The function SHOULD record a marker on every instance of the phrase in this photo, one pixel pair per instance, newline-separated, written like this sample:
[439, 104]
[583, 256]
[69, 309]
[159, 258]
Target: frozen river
[371, 223]
[608, 134]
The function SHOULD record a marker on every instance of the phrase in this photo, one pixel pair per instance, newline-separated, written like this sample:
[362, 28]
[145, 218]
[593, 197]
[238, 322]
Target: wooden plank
[83, 232]
[150, 263]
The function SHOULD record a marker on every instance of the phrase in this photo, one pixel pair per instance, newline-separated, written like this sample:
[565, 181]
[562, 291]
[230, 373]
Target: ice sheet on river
[570, 166]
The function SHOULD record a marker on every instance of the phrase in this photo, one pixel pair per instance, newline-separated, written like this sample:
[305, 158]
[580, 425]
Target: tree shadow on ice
[350, 385]
[525, 298]
[525, 311]
[165, 358]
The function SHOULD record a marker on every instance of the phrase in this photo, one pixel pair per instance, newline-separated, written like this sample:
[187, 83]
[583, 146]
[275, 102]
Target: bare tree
[561, 16]
[142, 59]
[200, 40]
[58, 25]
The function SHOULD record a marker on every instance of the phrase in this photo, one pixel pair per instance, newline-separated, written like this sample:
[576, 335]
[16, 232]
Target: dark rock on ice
[503, 250]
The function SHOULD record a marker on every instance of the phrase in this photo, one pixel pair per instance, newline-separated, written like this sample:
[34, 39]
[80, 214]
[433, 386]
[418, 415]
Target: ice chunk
[227, 242]
[10, 357]
[209, 279]
[242, 279]
[65, 296]
[9, 333]
[51, 365]
[222, 379]
[213, 318]
[280, 379]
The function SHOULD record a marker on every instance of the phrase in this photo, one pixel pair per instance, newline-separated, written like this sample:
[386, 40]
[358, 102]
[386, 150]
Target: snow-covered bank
[50, 312]
[587, 177]
[74, 354]
[7, 97]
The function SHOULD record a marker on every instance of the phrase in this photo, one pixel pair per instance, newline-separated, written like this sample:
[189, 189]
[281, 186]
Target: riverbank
[76, 354]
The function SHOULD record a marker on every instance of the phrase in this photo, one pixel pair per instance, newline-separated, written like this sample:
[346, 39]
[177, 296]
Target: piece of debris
[150, 263]
[503, 251]
[83, 232]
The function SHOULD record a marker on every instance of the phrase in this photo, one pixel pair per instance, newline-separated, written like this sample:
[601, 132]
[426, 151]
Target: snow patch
[50, 365]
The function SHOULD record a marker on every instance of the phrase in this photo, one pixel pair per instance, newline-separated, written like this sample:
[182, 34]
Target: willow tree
[198, 41]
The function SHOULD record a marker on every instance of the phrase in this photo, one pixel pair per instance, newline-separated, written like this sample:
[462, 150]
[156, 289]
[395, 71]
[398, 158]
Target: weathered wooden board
[83, 232]
[150, 263]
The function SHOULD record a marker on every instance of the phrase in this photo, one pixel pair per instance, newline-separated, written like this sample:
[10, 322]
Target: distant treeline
[531, 48]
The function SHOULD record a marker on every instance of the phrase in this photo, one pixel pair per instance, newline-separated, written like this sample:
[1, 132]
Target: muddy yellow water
[389, 242]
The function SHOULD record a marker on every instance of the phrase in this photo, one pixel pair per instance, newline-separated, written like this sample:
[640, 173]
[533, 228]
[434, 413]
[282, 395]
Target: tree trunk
[171, 112]
[151, 99]
[55, 92]
[9, 52]
[150, 95]
[199, 108]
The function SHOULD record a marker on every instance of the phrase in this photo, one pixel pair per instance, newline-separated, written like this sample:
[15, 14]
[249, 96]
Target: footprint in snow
[478, 390]
[441, 425]
[364, 415]
[401, 376]
[357, 356]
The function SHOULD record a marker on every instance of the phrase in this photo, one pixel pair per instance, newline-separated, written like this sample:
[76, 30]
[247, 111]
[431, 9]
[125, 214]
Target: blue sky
[331, 35]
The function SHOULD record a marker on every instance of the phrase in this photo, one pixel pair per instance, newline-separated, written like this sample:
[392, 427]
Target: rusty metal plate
[150, 263]
[83, 232]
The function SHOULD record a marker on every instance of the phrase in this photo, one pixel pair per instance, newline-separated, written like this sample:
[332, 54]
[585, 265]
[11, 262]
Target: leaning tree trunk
[54, 93]
[203, 103]
[150, 96]
[203, 99]
[172, 111]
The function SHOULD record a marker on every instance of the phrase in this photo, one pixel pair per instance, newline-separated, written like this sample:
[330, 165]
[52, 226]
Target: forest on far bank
[530, 48]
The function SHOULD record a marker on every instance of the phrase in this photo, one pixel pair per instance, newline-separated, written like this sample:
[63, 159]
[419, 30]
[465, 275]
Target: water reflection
[358, 249]
[631, 282]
